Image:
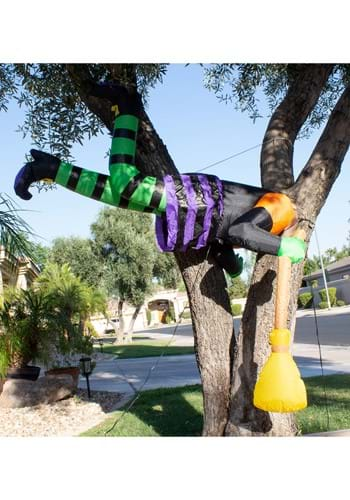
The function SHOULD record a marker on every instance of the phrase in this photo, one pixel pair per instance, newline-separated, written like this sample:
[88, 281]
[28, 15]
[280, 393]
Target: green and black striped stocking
[126, 186]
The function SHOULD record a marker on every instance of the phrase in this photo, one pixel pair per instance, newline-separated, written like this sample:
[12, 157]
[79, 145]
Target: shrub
[167, 318]
[27, 318]
[340, 303]
[73, 302]
[305, 300]
[332, 292]
[171, 312]
[323, 305]
[236, 309]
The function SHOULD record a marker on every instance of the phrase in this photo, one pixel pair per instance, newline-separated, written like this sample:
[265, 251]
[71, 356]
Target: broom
[279, 387]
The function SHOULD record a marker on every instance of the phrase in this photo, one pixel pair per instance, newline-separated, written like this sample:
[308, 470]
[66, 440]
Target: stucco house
[336, 271]
[337, 276]
[19, 272]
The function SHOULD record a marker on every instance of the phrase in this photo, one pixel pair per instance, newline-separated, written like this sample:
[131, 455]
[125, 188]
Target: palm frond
[13, 229]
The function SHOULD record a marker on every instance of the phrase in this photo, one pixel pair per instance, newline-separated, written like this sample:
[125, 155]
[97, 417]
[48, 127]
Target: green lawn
[144, 348]
[179, 411]
[160, 412]
[314, 417]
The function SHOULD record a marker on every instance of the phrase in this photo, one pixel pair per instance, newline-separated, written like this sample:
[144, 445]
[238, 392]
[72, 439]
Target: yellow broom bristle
[279, 387]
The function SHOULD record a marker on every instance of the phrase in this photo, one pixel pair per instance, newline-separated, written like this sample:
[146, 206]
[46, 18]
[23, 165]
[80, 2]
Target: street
[126, 375]
[334, 328]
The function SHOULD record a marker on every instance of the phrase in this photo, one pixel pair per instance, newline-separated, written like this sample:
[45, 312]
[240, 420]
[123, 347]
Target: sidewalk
[342, 433]
[335, 359]
[334, 311]
[125, 375]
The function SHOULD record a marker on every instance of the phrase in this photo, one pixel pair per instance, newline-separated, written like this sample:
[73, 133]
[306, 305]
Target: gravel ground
[68, 417]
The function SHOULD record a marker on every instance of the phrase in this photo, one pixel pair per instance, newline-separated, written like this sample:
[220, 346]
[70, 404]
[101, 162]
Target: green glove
[292, 247]
[239, 262]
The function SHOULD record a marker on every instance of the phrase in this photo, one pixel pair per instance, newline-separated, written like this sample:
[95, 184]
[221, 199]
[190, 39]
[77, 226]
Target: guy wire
[242, 152]
[321, 359]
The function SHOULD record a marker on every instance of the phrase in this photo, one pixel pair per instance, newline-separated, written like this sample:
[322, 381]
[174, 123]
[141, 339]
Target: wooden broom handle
[284, 269]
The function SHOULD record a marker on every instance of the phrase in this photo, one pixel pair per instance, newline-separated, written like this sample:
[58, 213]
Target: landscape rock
[68, 417]
[19, 393]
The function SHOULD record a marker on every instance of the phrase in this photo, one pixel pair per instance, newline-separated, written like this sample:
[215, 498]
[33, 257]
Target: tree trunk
[121, 323]
[288, 118]
[253, 350]
[213, 335]
[120, 326]
[115, 328]
[132, 323]
[309, 194]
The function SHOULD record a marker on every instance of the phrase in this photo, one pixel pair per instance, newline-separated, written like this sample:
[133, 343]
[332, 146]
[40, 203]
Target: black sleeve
[225, 257]
[251, 231]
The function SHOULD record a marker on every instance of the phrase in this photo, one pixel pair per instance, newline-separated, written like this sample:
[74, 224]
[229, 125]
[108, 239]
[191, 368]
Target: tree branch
[324, 164]
[81, 77]
[152, 155]
[302, 95]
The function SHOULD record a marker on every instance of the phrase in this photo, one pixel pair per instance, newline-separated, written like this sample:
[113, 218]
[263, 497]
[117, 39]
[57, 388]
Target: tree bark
[132, 323]
[213, 336]
[277, 152]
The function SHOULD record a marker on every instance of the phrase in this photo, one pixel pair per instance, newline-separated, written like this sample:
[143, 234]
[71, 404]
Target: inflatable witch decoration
[192, 210]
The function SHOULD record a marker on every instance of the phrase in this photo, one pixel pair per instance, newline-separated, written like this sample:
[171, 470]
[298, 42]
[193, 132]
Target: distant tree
[38, 252]
[237, 288]
[331, 255]
[125, 242]
[166, 271]
[249, 263]
[311, 265]
[79, 254]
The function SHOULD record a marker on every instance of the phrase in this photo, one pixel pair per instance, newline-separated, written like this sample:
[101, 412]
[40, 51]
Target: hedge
[305, 300]
[332, 292]
[236, 309]
[323, 305]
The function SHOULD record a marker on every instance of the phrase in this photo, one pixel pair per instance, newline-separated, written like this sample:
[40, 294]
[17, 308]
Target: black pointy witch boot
[128, 100]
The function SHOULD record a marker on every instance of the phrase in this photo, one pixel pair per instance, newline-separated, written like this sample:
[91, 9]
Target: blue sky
[197, 130]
